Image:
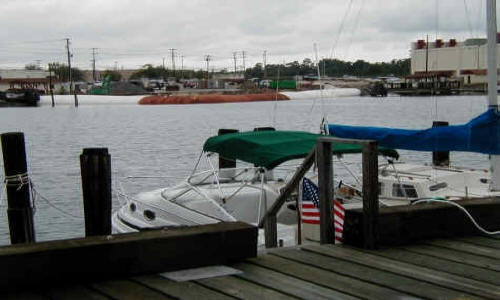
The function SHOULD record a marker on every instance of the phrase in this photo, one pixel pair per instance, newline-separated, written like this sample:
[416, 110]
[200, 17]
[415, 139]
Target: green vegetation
[333, 68]
[113, 75]
[158, 72]
[61, 71]
[32, 67]
[328, 67]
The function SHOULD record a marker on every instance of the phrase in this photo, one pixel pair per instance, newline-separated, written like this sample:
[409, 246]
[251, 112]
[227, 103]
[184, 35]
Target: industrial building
[462, 61]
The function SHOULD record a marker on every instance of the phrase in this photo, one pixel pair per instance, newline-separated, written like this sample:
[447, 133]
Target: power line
[341, 27]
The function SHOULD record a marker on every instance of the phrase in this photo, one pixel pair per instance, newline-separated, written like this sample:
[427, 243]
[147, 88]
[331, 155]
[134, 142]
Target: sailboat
[406, 182]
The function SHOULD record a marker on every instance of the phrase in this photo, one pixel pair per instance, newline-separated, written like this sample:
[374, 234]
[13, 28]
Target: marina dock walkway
[461, 268]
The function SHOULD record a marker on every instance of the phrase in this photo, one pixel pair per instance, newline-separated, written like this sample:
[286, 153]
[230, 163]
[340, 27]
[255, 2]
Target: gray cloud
[133, 33]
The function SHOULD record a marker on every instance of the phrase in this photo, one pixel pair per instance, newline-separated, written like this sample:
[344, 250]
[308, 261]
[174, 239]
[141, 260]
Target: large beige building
[465, 60]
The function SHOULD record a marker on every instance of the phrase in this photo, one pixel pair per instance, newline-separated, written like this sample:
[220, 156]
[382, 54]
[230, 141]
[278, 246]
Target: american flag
[310, 202]
[310, 208]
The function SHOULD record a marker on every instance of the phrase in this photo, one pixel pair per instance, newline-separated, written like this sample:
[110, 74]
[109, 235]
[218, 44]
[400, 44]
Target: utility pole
[163, 64]
[234, 58]
[243, 54]
[172, 52]
[265, 60]
[93, 64]
[207, 59]
[182, 66]
[69, 68]
[69, 73]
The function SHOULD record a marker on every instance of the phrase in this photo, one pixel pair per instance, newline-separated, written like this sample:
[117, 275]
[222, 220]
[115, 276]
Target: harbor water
[163, 142]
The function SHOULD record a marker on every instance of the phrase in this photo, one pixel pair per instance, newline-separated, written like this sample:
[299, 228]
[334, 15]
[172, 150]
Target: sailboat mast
[492, 53]
[492, 85]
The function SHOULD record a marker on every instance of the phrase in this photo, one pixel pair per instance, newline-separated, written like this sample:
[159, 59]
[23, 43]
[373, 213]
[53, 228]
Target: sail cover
[481, 134]
[271, 148]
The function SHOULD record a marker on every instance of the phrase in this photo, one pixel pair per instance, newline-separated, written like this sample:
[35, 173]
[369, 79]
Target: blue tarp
[481, 134]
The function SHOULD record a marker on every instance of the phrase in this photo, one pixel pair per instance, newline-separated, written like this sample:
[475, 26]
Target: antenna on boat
[275, 107]
[492, 84]
[324, 120]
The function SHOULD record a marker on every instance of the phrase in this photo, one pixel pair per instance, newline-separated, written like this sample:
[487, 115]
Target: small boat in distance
[20, 97]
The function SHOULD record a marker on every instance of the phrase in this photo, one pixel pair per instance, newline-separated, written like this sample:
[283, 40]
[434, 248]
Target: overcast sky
[129, 34]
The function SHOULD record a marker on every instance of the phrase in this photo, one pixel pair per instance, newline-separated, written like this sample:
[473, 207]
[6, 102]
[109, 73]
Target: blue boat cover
[481, 134]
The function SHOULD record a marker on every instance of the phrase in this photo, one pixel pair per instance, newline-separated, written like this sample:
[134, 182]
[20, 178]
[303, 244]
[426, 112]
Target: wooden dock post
[51, 86]
[19, 211]
[270, 231]
[76, 98]
[325, 184]
[440, 158]
[370, 194]
[269, 220]
[95, 166]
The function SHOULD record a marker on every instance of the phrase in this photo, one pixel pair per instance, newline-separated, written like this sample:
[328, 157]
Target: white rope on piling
[36, 193]
[18, 180]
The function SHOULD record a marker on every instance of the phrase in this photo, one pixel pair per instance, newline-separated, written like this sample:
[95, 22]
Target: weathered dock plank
[444, 265]
[393, 281]
[481, 241]
[287, 284]
[26, 295]
[466, 247]
[457, 256]
[128, 290]
[344, 284]
[243, 289]
[496, 236]
[125, 255]
[431, 276]
[74, 292]
[429, 270]
[180, 290]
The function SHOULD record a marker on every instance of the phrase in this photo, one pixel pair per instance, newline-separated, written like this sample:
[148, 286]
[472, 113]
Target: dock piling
[19, 211]
[440, 158]
[370, 194]
[325, 184]
[95, 166]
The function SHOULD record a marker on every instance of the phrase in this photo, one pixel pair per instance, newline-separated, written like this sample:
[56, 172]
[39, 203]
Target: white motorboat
[229, 194]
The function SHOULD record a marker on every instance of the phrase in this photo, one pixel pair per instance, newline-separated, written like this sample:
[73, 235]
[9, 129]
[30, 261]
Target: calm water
[166, 140]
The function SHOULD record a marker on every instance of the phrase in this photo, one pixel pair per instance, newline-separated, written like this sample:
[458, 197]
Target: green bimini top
[268, 149]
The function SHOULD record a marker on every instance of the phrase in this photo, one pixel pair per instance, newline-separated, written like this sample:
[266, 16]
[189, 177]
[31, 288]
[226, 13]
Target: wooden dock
[460, 268]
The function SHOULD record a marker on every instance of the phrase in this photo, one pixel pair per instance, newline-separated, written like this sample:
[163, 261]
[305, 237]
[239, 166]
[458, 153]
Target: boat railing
[322, 154]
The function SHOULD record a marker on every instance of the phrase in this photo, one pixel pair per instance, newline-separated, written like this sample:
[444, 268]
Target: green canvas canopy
[270, 148]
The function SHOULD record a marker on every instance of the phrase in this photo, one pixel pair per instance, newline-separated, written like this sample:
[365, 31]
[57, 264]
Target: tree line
[328, 67]
[331, 68]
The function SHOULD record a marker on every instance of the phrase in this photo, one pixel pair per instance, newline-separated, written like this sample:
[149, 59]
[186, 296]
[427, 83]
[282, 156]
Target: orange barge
[211, 98]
